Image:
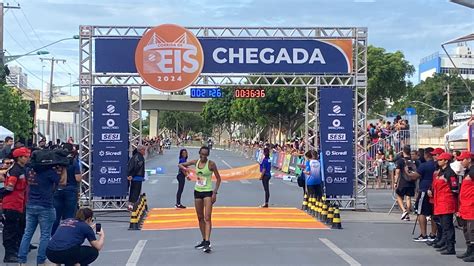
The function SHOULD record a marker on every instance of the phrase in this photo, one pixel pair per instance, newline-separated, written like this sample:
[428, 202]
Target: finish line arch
[121, 74]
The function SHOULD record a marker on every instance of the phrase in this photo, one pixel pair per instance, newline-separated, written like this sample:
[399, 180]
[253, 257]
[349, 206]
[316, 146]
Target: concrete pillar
[154, 123]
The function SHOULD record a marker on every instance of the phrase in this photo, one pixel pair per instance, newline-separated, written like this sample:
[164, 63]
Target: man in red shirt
[445, 188]
[14, 204]
[466, 205]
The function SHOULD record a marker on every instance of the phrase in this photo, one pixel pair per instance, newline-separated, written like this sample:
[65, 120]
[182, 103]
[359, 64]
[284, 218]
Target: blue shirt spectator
[314, 169]
[71, 232]
[267, 165]
[426, 171]
[41, 187]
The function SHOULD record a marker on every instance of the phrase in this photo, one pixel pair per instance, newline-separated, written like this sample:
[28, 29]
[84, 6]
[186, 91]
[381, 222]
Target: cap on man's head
[23, 151]
[437, 151]
[444, 156]
[465, 155]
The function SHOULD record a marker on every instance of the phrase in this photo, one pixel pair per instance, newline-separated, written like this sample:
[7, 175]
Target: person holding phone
[65, 247]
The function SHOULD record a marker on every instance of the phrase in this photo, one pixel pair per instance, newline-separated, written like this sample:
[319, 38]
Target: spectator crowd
[40, 186]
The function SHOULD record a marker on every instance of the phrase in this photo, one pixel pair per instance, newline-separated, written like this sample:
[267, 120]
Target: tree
[217, 112]
[182, 122]
[432, 92]
[14, 112]
[387, 73]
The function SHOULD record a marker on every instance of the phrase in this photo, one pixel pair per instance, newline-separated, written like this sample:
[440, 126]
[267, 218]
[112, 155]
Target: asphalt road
[368, 238]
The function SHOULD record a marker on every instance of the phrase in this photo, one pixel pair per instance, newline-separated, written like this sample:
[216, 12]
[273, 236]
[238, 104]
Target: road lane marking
[245, 181]
[154, 181]
[174, 181]
[230, 213]
[340, 252]
[225, 181]
[228, 165]
[136, 253]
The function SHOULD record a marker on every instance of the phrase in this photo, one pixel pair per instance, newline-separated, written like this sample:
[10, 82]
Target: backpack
[410, 165]
[45, 159]
[301, 180]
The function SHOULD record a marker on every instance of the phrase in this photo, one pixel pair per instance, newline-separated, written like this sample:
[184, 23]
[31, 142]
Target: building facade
[439, 63]
[17, 77]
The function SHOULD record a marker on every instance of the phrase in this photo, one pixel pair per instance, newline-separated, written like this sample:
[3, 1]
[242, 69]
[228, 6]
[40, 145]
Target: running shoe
[407, 218]
[207, 247]
[180, 206]
[431, 238]
[404, 215]
[421, 238]
[200, 245]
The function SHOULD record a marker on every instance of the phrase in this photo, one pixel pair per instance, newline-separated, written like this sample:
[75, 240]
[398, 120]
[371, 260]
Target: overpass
[153, 103]
[160, 102]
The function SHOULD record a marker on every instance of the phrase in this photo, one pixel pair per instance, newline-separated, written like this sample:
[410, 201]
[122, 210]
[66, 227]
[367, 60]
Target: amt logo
[169, 58]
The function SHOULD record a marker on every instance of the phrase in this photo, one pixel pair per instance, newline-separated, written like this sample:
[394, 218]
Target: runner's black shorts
[202, 195]
[405, 191]
[423, 205]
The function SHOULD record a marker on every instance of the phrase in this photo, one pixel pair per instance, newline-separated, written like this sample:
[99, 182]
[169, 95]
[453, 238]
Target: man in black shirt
[405, 186]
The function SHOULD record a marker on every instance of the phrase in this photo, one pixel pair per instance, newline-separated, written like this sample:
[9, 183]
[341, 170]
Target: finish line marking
[136, 253]
[340, 252]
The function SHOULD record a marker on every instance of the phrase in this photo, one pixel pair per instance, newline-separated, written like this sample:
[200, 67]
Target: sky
[415, 27]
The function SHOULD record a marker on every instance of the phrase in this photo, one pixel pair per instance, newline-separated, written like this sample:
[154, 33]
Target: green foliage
[14, 112]
[183, 122]
[387, 73]
[432, 91]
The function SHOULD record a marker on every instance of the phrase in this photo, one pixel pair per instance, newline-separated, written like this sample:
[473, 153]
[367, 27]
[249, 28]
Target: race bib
[201, 181]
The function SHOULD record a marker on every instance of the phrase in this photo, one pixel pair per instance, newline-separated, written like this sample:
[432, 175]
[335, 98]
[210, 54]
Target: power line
[23, 30]
[17, 43]
[42, 42]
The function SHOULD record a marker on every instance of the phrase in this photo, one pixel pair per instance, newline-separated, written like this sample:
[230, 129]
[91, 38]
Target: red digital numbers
[249, 93]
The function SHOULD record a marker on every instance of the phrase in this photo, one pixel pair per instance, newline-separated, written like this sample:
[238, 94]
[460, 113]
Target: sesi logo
[169, 58]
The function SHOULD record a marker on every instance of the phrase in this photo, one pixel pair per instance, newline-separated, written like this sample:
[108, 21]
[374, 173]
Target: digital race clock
[206, 93]
[249, 93]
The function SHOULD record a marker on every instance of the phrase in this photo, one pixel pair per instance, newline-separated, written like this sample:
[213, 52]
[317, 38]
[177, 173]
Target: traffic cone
[330, 215]
[336, 221]
[309, 209]
[324, 213]
[304, 206]
[320, 209]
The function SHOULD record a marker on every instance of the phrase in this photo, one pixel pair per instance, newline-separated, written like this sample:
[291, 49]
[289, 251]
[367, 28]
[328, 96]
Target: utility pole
[448, 93]
[2, 52]
[50, 96]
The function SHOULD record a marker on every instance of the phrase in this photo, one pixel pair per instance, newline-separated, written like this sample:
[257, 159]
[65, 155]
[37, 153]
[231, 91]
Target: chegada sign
[170, 58]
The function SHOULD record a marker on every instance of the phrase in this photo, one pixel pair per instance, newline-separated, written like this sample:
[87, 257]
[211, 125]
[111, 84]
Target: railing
[58, 130]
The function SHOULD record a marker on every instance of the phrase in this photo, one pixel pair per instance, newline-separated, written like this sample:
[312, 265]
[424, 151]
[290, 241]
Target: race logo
[102, 180]
[169, 58]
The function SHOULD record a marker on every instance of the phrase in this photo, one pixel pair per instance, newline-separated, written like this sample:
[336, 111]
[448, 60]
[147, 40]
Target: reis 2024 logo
[169, 58]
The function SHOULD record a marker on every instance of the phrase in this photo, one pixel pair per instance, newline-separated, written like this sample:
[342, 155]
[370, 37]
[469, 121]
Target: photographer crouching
[66, 246]
[48, 171]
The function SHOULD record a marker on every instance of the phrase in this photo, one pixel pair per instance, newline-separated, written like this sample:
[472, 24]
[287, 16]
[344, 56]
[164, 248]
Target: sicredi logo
[169, 58]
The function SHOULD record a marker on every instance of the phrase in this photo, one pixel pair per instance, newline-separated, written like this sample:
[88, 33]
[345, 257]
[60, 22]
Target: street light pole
[448, 92]
[50, 96]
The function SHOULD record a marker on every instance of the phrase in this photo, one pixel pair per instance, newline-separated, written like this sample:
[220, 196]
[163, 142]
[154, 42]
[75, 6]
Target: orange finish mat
[232, 217]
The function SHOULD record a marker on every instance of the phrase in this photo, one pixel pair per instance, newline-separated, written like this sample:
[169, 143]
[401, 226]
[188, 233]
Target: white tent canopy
[457, 134]
[4, 132]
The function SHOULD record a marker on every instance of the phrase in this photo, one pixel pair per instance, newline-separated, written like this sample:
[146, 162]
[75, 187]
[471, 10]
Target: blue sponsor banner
[110, 142]
[337, 140]
[238, 56]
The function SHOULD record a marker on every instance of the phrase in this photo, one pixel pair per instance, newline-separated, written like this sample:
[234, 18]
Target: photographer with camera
[43, 178]
[66, 246]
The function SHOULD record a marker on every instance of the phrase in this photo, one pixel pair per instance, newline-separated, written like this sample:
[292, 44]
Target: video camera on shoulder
[42, 160]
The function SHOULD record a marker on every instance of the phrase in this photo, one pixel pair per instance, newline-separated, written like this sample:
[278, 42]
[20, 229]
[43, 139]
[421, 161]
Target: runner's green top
[204, 178]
